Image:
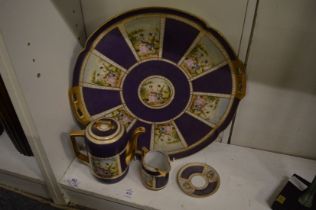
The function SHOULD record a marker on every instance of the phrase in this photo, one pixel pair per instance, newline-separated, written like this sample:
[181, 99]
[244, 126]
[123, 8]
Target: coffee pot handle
[132, 144]
[83, 157]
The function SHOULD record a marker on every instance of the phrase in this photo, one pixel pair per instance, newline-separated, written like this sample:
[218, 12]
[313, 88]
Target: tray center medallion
[156, 92]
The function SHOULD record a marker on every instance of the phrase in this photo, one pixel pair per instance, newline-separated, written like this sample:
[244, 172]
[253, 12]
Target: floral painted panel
[156, 92]
[202, 58]
[144, 34]
[105, 167]
[166, 138]
[187, 186]
[209, 108]
[122, 116]
[101, 73]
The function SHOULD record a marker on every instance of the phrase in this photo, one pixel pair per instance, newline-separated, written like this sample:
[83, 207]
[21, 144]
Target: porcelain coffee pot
[109, 149]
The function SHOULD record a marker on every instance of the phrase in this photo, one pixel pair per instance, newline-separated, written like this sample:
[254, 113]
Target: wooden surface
[250, 179]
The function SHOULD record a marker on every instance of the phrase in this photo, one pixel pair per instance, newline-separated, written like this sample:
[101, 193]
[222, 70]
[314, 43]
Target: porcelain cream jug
[155, 168]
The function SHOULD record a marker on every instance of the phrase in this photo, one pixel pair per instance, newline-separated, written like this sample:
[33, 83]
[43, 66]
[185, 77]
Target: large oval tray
[162, 69]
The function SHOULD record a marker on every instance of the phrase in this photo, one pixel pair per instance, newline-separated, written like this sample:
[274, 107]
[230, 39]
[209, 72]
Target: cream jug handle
[132, 144]
[143, 152]
[75, 147]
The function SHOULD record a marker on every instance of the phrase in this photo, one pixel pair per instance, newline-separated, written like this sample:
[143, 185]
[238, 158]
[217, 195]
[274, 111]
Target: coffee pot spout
[132, 144]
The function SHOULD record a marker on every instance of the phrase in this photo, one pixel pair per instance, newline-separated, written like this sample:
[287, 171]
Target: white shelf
[18, 171]
[11, 161]
[250, 179]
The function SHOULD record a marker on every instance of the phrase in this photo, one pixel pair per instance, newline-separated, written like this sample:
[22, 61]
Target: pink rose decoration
[152, 97]
[143, 48]
[111, 79]
[125, 119]
[199, 102]
[167, 129]
[189, 62]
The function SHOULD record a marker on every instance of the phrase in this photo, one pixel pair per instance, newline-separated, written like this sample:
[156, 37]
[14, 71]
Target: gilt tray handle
[240, 73]
[77, 107]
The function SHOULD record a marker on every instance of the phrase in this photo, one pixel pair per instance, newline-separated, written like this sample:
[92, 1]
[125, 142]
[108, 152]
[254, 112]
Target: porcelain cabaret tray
[162, 69]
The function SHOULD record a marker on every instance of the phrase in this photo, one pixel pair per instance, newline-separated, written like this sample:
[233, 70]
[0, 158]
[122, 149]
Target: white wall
[41, 38]
[279, 111]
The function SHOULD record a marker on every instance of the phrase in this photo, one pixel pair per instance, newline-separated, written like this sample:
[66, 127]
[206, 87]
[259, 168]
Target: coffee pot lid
[104, 130]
